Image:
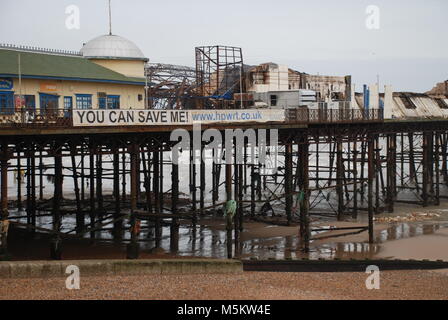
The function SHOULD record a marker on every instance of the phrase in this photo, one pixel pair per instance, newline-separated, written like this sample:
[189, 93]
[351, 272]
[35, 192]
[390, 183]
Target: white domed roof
[112, 47]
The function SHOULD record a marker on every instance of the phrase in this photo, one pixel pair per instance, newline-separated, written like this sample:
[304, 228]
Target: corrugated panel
[424, 108]
[406, 113]
[430, 107]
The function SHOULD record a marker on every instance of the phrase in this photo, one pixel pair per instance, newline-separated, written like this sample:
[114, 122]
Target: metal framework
[170, 86]
[335, 170]
[219, 70]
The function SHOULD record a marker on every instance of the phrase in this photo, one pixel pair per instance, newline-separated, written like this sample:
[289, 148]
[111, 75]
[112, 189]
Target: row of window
[8, 102]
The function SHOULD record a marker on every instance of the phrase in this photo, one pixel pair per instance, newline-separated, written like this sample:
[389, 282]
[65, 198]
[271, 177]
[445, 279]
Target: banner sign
[48, 87]
[6, 84]
[98, 118]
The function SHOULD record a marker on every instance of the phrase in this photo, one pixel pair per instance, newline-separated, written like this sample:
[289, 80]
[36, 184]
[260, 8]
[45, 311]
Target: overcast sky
[409, 51]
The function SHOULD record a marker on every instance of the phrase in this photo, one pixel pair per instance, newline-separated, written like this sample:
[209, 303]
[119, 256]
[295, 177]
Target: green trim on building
[58, 67]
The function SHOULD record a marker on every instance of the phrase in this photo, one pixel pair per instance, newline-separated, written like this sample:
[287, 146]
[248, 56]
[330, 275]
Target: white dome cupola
[116, 53]
[112, 47]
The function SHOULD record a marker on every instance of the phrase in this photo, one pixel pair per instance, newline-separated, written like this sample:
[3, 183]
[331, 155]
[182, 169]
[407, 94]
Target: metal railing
[57, 118]
[304, 115]
[31, 118]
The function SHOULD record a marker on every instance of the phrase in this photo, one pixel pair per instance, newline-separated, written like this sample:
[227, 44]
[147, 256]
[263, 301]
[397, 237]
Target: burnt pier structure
[339, 165]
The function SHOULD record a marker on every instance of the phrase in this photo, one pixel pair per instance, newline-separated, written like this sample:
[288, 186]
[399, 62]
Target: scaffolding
[170, 86]
[219, 71]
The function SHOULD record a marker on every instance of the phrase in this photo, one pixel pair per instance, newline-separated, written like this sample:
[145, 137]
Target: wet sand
[431, 247]
[420, 285]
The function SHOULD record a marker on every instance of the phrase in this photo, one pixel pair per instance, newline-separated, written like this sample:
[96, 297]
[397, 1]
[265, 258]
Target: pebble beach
[395, 285]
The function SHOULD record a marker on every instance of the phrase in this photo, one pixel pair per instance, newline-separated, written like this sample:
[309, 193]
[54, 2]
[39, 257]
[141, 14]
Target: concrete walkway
[42, 269]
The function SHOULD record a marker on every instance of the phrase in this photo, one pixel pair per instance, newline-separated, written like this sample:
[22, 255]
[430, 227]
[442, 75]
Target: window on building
[102, 100]
[113, 102]
[102, 103]
[68, 106]
[49, 104]
[6, 103]
[273, 100]
[30, 102]
[83, 101]
[108, 101]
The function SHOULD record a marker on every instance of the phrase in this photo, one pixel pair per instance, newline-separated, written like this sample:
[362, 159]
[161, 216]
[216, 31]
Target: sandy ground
[421, 285]
[431, 247]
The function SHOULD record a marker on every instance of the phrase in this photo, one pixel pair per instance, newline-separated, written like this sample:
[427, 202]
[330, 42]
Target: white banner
[95, 118]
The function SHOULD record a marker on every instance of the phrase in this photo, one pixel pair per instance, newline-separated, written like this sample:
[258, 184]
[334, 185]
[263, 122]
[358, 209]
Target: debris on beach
[415, 216]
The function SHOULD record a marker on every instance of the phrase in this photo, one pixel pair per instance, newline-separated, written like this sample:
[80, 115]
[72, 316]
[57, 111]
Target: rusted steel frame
[156, 180]
[288, 180]
[229, 222]
[80, 223]
[123, 176]
[236, 185]
[252, 190]
[133, 247]
[99, 180]
[444, 142]
[425, 168]
[245, 168]
[4, 213]
[28, 184]
[158, 226]
[146, 186]
[348, 176]
[148, 177]
[371, 177]
[118, 224]
[92, 212]
[19, 179]
[56, 245]
[240, 197]
[332, 155]
[364, 152]
[174, 228]
[378, 174]
[33, 186]
[402, 171]
[355, 180]
[391, 170]
[305, 230]
[138, 181]
[431, 163]
[202, 183]
[41, 176]
[215, 179]
[412, 167]
[339, 177]
[82, 164]
[437, 168]
[193, 187]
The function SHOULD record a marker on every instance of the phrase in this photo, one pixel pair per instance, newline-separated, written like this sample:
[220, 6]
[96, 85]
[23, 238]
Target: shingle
[58, 66]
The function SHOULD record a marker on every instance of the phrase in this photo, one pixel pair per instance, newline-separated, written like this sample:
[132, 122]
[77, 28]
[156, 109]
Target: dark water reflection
[210, 241]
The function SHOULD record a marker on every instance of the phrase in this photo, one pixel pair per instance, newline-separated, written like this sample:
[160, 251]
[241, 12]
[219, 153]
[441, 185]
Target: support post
[133, 247]
[229, 222]
[79, 213]
[339, 177]
[288, 181]
[56, 243]
[118, 223]
[4, 203]
[305, 232]
[371, 177]
[174, 232]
